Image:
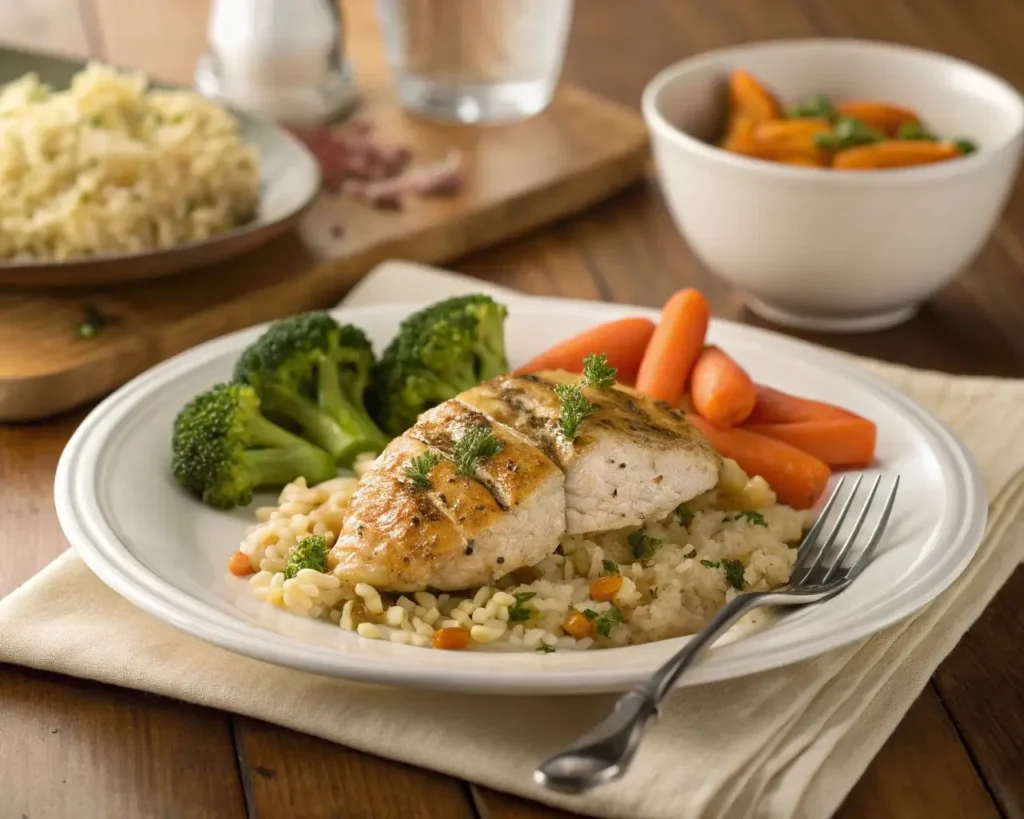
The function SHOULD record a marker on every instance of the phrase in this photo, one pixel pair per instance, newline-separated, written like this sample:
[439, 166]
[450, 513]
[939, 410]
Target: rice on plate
[597, 591]
[108, 166]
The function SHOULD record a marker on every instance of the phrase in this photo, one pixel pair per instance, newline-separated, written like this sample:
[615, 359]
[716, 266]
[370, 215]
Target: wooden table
[95, 751]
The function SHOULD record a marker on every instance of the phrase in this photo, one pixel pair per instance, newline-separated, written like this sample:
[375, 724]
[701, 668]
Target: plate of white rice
[108, 177]
[167, 553]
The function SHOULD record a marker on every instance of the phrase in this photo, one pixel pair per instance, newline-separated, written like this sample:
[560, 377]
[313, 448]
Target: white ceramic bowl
[829, 250]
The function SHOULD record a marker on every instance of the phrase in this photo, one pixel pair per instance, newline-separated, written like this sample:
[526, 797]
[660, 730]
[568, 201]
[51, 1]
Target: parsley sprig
[417, 471]
[684, 515]
[597, 372]
[475, 445]
[309, 553]
[575, 405]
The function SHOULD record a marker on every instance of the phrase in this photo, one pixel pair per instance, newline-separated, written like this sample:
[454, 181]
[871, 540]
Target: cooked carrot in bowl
[822, 133]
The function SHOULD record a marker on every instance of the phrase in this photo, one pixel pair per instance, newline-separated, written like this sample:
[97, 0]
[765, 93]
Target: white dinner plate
[166, 552]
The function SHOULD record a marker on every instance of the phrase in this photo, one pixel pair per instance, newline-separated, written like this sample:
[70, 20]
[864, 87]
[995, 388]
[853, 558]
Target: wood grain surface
[74, 749]
[518, 176]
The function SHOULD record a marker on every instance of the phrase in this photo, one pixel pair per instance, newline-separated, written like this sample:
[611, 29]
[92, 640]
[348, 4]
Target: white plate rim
[111, 561]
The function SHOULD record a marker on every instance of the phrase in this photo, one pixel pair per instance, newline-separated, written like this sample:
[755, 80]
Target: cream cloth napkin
[786, 743]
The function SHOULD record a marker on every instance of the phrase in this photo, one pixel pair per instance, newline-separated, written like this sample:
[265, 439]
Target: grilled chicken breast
[634, 459]
[465, 531]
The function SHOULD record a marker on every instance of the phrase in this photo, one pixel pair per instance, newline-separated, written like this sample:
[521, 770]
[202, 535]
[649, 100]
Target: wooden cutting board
[519, 176]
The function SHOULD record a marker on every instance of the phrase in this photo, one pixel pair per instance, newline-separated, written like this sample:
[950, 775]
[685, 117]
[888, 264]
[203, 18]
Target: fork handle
[606, 752]
[665, 678]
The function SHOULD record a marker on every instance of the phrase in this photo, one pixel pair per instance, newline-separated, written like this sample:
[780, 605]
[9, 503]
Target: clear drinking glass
[476, 60]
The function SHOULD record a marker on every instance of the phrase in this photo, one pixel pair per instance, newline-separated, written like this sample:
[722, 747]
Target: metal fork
[606, 752]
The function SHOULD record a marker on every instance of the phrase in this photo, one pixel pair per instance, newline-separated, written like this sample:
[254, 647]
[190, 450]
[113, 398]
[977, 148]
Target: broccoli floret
[313, 372]
[309, 553]
[224, 449]
[440, 351]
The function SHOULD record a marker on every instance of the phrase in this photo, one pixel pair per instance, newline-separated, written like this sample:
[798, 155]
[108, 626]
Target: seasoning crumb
[622, 466]
[337, 231]
[469, 549]
[480, 508]
[500, 560]
[659, 478]
[615, 493]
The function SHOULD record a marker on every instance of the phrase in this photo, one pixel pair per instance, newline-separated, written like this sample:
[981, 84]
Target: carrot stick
[623, 341]
[842, 443]
[674, 347]
[894, 153]
[721, 389]
[797, 478]
[776, 407]
[748, 98]
[881, 116]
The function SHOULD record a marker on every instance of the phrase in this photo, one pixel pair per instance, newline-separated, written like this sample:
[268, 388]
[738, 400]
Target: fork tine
[831, 536]
[876, 536]
[812, 534]
[838, 562]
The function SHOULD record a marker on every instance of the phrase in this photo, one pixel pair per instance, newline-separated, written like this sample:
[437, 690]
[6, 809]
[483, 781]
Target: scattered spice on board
[354, 161]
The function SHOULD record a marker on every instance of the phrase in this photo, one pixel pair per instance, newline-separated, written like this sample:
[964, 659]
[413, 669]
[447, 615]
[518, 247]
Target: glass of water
[476, 60]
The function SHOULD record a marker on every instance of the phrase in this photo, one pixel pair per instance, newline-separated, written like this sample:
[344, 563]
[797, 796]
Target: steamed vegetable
[623, 343]
[223, 449]
[675, 346]
[842, 443]
[313, 372]
[777, 407]
[797, 478]
[440, 351]
[721, 389]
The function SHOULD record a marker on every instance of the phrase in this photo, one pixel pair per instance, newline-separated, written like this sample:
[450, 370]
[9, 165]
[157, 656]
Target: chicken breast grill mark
[631, 461]
[467, 539]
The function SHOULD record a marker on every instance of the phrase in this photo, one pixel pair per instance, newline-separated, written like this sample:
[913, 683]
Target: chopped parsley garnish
[575, 407]
[603, 622]
[966, 146]
[544, 648]
[711, 564]
[93, 323]
[642, 545]
[610, 566]
[734, 573]
[597, 372]
[475, 445]
[519, 612]
[817, 107]
[914, 130]
[692, 554]
[418, 469]
[309, 553]
[847, 133]
[684, 515]
[753, 518]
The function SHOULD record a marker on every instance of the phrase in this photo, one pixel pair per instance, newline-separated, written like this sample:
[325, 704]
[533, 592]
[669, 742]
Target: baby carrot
[784, 139]
[777, 407]
[749, 98]
[881, 116]
[797, 478]
[721, 389]
[623, 341]
[842, 443]
[674, 347]
[894, 153]
[605, 588]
